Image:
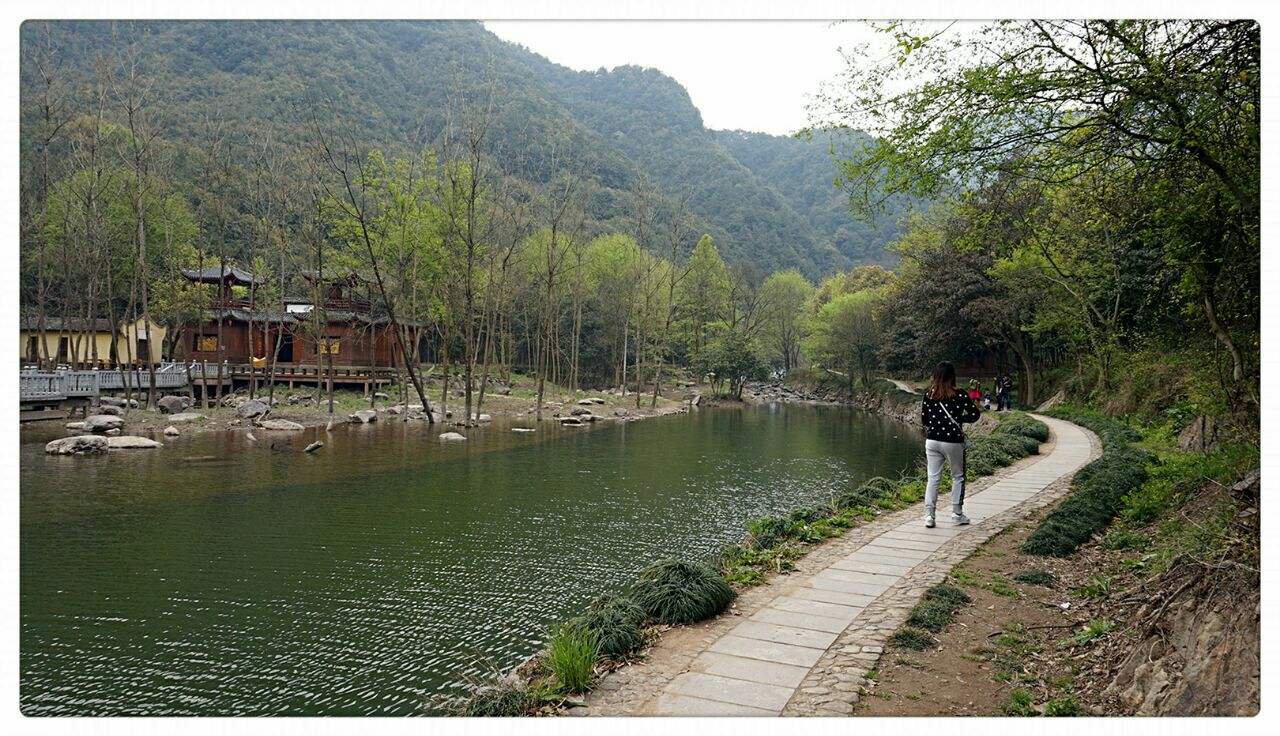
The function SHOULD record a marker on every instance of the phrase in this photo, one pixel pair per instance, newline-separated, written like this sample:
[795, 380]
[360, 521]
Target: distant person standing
[942, 413]
[1006, 392]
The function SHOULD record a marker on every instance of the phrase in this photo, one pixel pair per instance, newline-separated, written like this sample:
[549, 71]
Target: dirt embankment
[1096, 633]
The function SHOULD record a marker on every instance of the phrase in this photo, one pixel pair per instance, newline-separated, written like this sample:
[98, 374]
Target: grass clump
[680, 592]
[1064, 707]
[572, 657]
[1020, 703]
[1093, 630]
[1043, 578]
[500, 697]
[615, 623]
[867, 494]
[912, 639]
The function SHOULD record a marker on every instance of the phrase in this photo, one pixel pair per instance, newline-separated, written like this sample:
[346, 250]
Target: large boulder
[364, 416]
[186, 416]
[1201, 435]
[111, 401]
[1052, 401]
[173, 404]
[283, 425]
[110, 410]
[99, 423]
[252, 409]
[82, 444]
[579, 411]
[131, 442]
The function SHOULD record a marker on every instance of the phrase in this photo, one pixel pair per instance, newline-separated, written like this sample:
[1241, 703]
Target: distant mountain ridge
[767, 200]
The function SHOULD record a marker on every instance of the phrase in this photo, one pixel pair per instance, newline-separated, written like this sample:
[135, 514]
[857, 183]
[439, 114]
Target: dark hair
[943, 385]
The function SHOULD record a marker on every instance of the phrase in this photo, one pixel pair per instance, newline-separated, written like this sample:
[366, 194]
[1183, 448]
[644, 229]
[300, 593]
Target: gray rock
[76, 426]
[171, 431]
[380, 395]
[452, 437]
[173, 404]
[131, 442]
[523, 429]
[252, 409]
[111, 401]
[314, 446]
[580, 411]
[112, 432]
[186, 417]
[81, 444]
[102, 422]
[364, 416]
[110, 410]
[283, 425]
[483, 418]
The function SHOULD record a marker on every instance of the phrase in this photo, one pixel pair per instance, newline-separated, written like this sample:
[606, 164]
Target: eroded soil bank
[1093, 636]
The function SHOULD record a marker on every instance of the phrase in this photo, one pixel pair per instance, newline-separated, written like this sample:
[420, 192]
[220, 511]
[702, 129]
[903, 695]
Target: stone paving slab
[806, 650]
[767, 650]
[731, 690]
[755, 670]
[802, 620]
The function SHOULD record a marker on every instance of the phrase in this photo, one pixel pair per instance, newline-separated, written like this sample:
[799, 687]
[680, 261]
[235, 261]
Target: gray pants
[934, 453]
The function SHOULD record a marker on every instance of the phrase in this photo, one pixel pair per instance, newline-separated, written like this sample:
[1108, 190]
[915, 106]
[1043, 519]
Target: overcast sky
[750, 75]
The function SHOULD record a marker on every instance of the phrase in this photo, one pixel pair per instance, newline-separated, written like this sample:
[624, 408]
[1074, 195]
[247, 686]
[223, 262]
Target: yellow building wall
[127, 346]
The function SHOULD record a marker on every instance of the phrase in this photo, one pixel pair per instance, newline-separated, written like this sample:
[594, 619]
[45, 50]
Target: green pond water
[221, 576]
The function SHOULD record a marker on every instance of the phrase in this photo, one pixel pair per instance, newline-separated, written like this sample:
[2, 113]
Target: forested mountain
[801, 171]
[766, 200]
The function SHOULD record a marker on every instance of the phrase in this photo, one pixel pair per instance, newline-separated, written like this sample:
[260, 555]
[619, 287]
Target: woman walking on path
[942, 413]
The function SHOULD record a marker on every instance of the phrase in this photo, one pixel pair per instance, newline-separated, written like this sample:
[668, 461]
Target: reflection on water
[222, 576]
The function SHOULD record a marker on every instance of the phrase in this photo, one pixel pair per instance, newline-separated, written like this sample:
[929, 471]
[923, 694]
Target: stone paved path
[841, 616]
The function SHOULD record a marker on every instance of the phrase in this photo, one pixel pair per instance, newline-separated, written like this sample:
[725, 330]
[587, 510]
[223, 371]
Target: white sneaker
[959, 519]
[928, 521]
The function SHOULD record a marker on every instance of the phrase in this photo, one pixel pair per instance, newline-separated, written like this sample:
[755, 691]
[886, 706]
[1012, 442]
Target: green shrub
[680, 592]
[1023, 425]
[1098, 492]
[1020, 703]
[1121, 538]
[912, 639]
[1042, 578]
[572, 657]
[615, 622]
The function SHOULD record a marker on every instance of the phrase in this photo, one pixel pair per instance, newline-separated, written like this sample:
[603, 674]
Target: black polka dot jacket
[935, 422]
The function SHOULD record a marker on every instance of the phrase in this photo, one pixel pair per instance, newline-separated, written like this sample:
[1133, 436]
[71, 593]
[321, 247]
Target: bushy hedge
[1098, 489]
[1017, 436]
[681, 592]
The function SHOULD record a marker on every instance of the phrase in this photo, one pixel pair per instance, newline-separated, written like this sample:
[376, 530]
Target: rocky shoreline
[118, 423]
